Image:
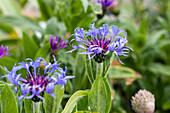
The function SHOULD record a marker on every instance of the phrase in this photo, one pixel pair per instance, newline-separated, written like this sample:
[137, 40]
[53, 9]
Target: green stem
[91, 70]
[89, 79]
[111, 60]
[104, 66]
[99, 69]
[36, 107]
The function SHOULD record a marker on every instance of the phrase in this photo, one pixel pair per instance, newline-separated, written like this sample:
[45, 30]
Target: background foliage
[25, 26]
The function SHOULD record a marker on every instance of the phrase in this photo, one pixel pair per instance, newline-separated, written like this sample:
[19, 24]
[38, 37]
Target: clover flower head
[56, 44]
[143, 102]
[38, 80]
[97, 43]
[105, 3]
[4, 51]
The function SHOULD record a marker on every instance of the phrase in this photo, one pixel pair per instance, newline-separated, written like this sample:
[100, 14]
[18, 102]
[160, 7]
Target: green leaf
[84, 112]
[143, 28]
[52, 104]
[73, 101]
[45, 9]
[30, 47]
[8, 102]
[166, 106]
[28, 105]
[86, 18]
[9, 7]
[79, 72]
[2, 71]
[43, 51]
[155, 36]
[89, 70]
[69, 87]
[20, 21]
[85, 5]
[142, 32]
[64, 57]
[2, 84]
[97, 96]
[62, 12]
[82, 104]
[4, 61]
[163, 22]
[74, 110]
[122, 72]
[108, 95]
[76, 8]
[51, 26]
[8, 41]
[55, 27]
[116, 103]
[165, 98]
[164, 43]
[158, 68]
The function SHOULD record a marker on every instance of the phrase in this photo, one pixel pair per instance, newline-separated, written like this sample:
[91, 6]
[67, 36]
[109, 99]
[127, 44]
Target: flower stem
[53, 52]
[111, 60]
[36, 107]
[99, 69]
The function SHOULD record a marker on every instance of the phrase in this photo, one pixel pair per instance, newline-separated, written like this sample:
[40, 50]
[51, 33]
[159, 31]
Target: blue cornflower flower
[4, 51]
[105, 3]
[97, 43]
[62, 78]
[55, 40]
[13, 78]
[56, 44]
[38, 80]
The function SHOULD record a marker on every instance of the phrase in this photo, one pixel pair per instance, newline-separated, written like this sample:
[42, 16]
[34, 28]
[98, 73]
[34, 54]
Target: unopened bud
[143, 102]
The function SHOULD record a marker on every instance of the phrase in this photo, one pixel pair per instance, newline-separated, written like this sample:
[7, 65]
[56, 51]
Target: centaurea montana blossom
[56, 44]
[4, 51]
[55, 40]
[105, 3]
[38, 80]
[99, 42]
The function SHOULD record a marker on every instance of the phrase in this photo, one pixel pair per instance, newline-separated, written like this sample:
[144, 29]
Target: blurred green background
[25, 26]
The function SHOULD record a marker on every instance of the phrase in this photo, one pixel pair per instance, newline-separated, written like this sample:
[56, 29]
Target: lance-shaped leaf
[52, 104]
[28, 105]
[30, 47]
[99, 97]
[73, 101]
[8, 102]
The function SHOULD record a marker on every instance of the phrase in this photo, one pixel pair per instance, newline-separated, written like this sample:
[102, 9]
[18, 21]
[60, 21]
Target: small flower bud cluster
[143, 102]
